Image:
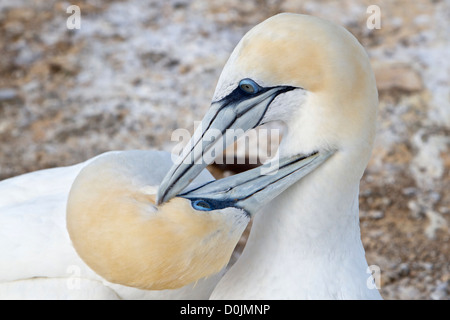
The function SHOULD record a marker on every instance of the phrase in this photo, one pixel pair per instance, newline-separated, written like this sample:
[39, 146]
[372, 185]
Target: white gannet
[38, 260]
[315, 77]
[117, 241]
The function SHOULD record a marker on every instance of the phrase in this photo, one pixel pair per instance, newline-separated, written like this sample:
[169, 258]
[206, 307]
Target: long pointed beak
[225, 121]
[251, 190]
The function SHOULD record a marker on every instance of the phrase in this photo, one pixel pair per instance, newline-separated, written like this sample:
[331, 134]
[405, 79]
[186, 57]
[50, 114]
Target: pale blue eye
[201, 205]
[249, 86]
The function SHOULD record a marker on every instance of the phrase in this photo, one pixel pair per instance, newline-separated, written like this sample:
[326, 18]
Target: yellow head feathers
[118, 231]
[297, 50]
[340, 98]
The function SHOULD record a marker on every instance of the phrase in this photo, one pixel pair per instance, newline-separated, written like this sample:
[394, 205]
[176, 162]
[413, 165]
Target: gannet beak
[251, 190]
[240, 111]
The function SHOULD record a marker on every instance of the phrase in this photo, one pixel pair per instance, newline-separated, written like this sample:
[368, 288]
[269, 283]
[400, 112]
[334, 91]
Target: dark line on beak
[192, 190]
[288, 174]
[286, 89]
[193, 147]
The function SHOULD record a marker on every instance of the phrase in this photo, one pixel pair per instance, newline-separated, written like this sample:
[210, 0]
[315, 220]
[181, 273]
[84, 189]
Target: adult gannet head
[305, 71]
[119, 232]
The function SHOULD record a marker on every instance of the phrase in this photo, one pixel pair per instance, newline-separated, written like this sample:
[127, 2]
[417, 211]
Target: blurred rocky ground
[137, 70]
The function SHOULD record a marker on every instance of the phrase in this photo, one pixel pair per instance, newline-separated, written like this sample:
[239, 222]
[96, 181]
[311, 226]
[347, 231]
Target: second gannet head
[118, 230]
[303, 70]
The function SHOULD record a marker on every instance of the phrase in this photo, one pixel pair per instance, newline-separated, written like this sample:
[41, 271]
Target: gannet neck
[306, 220]
[302, 247]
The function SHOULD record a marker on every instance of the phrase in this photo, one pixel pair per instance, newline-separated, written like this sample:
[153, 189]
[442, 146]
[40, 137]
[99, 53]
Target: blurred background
[137, 70]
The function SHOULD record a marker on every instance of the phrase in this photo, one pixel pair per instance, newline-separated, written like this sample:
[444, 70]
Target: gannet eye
[249, 86]
[201, 205]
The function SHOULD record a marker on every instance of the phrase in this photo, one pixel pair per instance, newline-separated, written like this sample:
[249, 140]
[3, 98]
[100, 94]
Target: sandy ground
[135, 71]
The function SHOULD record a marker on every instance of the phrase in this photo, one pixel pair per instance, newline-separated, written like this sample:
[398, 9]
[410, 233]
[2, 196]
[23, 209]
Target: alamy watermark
[74, 278]
[74, 20]
[374, 20]
[374, 280]
[254, 147]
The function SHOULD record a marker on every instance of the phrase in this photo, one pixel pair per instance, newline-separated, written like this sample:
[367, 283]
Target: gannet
[315, 77]
[117, 240]
[38, 260]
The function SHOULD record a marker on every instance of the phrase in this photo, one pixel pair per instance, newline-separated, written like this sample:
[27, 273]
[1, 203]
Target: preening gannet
[123, 242]
[38, 260]
[316, 77]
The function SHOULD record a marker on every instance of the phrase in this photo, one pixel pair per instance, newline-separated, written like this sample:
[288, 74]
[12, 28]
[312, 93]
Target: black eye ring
[201, 205]
[249, 86]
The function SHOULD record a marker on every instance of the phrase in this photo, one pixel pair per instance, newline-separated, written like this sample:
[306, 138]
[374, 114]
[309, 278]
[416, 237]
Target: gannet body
[315, 77]
[38, 260]
[114, 241]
